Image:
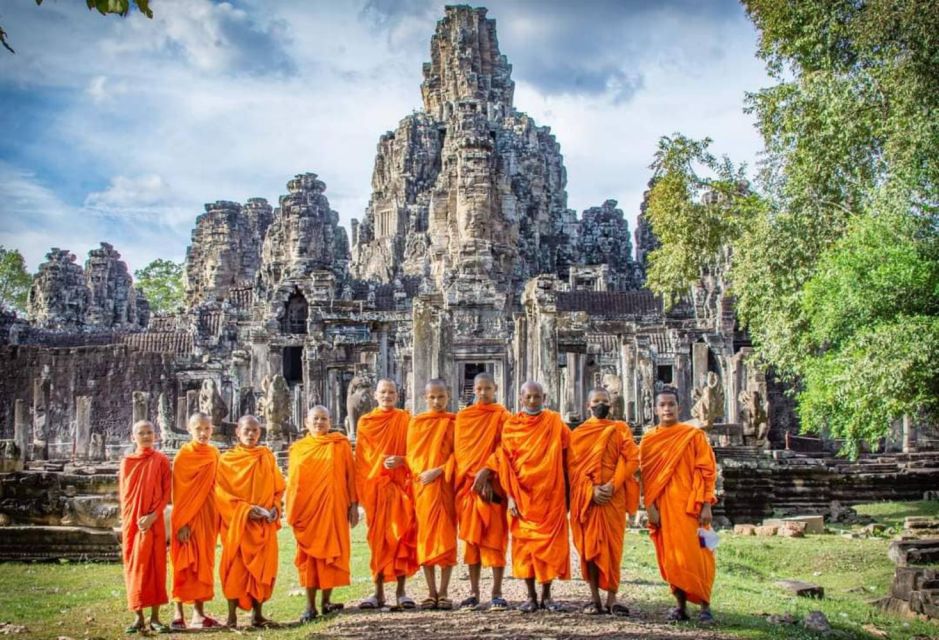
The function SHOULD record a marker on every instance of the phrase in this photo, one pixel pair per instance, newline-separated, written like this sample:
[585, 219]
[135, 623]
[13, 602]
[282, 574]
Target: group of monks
[482, 475]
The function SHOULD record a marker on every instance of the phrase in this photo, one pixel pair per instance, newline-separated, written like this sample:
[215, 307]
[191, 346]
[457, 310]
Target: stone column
[699, 363]
[141, 402]
[192, 403]
[628, 376]
[40, 444]
[82, 444]
[909, 434]
[21, 427]
[683, 381]
[182, 414]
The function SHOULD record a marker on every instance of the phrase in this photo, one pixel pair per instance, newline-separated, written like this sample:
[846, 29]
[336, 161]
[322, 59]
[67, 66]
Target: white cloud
[129, 193]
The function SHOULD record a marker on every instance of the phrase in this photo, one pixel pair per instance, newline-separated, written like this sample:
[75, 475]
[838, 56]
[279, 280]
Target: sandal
[676, 615]
[178, 625]
[134, 628]
[470, 602]
[552, 606]
[428, 604]
[445, 603]
[529, 606]
[498, 604]
[405, 602]
[593, 610]
[309, 616]
[619, 610]
[264, 623]
[159, 627]
[371, 602]
[706, 616]
[208, 623]
[332, 607]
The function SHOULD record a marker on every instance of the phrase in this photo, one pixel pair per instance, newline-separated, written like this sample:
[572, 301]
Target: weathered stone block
[745, 529]
[767, 530]
[802, 589]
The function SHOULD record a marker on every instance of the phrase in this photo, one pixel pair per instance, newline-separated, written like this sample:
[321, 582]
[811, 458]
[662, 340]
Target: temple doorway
[468, 371]
[293, 365]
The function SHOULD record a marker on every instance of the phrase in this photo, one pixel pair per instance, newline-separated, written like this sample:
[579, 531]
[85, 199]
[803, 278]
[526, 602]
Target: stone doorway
[293, 365]
[468, 371]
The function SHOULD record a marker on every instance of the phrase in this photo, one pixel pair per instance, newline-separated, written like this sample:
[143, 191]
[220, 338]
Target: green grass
[87, 600]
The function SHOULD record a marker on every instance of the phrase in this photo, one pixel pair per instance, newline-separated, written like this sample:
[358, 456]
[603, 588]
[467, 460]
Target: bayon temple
[467, 259]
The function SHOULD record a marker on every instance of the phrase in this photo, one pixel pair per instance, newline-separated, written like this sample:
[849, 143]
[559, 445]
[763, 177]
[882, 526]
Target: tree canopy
[162, 283]
[104, 7]
[14, 281]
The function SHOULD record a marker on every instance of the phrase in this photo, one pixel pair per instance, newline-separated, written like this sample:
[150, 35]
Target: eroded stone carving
[274, 406]
[708, 401]
[211, 402]
[359, 401]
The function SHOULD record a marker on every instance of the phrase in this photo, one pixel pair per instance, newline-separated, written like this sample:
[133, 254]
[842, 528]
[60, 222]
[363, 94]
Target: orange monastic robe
[483, 525]
[144, 485]
[320, 490]
[602, 451]
[430, 445]
[194, 470]
[386, 493]
[529, 463]
[678, 472]
[248, 477]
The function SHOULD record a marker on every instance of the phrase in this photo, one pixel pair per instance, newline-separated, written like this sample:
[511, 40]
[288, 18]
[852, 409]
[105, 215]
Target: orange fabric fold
[194, 469]
[144, 485]
[320, 490]
[429, 446]
[483, 525]
[679, 473]
[247, 477]
[386, 493]
[602, 451]
[529, 463]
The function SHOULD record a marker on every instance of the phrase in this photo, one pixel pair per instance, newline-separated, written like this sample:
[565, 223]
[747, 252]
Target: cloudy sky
[119, 130]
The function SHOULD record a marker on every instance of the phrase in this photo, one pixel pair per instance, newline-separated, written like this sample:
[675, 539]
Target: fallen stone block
[816, 621]
[767, 530]
[744, 529]
[802, 589]
[924, 551]
[813, 524]
[791, 530]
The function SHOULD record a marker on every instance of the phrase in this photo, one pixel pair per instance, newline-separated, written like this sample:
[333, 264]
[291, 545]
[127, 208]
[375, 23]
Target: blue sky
[119, 130]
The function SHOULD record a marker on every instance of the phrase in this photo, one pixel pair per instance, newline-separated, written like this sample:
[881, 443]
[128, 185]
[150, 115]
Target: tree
[104, 7]
[162, 282]
[14, 280]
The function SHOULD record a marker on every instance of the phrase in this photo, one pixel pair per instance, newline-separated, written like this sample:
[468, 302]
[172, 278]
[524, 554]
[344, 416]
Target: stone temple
[467, 259]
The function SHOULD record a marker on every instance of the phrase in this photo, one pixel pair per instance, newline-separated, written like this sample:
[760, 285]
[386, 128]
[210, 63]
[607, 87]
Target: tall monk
[321, 506]
[483, 521]
[531, 464]
[144, 485]
[678, 471]
[603, 463]
[383, 484]
[248, 491]
[194, 524]
[430, 460]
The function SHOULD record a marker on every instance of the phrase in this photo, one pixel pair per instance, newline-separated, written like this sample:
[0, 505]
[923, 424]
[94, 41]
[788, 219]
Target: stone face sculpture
[275, 406]
[359, 401]
[708, 401]
[614, 386]
[211, 403]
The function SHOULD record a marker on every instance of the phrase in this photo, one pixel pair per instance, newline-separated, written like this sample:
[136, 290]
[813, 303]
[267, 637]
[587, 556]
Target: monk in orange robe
[483, 521]
[321, 506]
[383, 484]
[678, 473]
[603, 463]
[194, 524]
[144, 485]
[531, 464]
[248, 492]
[430, 460]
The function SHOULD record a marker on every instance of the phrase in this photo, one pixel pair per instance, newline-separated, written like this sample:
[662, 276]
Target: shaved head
[142, 424]
[531, 385]
[436, 383]
[248, 420]
[598, 392]
[485, 375]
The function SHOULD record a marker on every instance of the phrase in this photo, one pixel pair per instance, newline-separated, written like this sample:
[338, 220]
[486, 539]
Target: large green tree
[14, 280]
[104, 7]
[162, 281]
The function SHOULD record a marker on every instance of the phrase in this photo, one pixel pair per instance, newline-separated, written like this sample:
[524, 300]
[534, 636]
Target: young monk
[530, 464]
[144, 485]
[430, 460]
[321, 506]
[383, 484]
[248, 491]
[483, 522]
[678, 473]
[603, 463]
[194, 525]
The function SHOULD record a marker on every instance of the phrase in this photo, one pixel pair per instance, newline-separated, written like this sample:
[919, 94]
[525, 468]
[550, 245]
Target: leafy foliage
[104, 7]
[14, 280]
[162, 282]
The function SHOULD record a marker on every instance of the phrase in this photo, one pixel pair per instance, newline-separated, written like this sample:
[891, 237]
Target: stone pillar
[628, 376]
[192, 403]
[141, 402]
[82, 445]
[182, 414]
[431, 346]
[539, 300]
[21, 427]
[40, 444]
[683, 382]
[699, 364]
[909, 434]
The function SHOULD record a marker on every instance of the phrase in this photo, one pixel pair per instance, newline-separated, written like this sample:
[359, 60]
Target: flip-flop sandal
[552, 606]
[593, 610]
[332, 607]
[264, 624]
[472, 601]
[159, 627]
[445, 604]
[676, 615]
[208, 623]
[705, 616]
[309, 616]
[529, 606]
[405, 602]
[178, 625]
[371, 603]
[498, 604]
[428, 604]
[133, 628]
[620, 610]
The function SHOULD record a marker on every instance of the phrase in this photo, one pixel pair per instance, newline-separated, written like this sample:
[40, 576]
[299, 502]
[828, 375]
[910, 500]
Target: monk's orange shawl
[529, 463]
[194, 469]
[144, 486]
[429, 446]
[679, 472]
[477, 434]
[602, 451]
[248, 477]
[320, 490]
[386, 493]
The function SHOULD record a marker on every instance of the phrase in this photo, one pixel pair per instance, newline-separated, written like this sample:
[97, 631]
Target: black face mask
[600, 410]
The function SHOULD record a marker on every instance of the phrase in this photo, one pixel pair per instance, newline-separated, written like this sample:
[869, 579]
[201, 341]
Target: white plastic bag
[708, 538]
